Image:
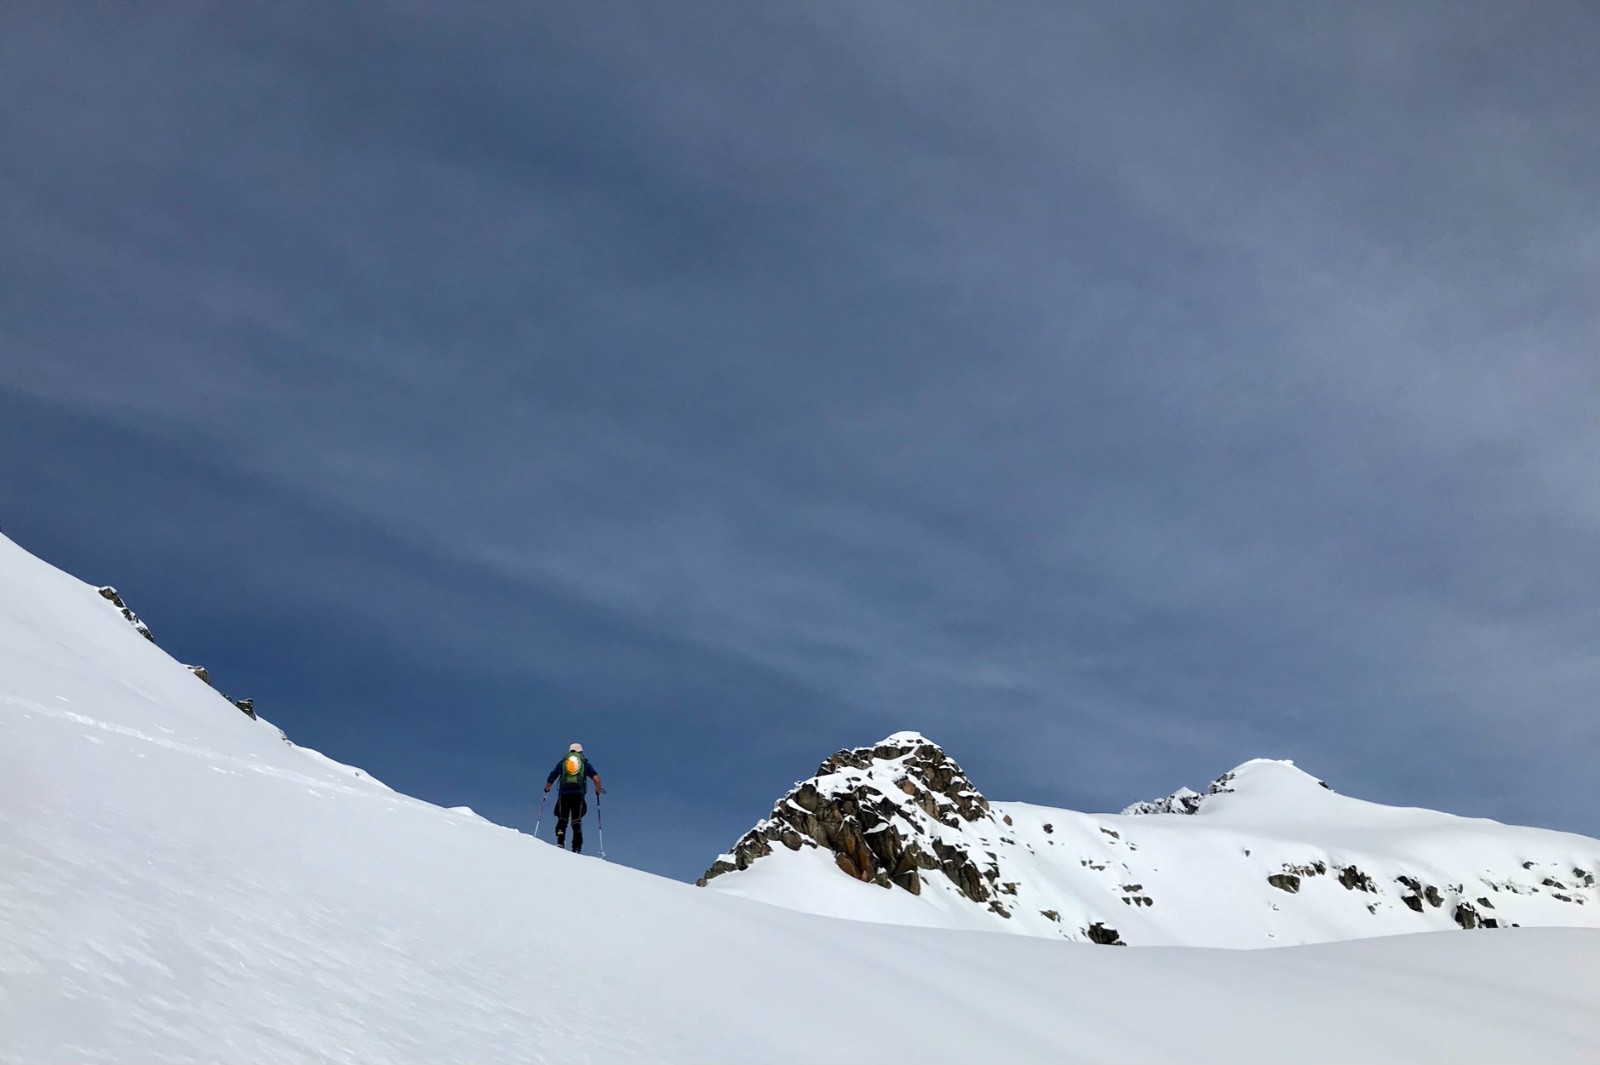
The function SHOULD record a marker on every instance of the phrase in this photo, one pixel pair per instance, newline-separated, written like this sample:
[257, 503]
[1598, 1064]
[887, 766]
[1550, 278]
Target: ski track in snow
[216, 758]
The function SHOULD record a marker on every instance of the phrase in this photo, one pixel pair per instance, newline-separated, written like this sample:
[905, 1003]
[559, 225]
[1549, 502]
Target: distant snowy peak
[1188, 801]
[1268, 855]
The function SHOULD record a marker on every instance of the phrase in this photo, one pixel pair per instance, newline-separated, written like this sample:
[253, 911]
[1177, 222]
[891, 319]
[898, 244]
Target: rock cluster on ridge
[1188, 801]
[111, 595]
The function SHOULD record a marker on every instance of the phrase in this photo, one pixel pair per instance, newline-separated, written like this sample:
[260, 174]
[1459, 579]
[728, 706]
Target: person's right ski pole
[541, 814]
[600, 823]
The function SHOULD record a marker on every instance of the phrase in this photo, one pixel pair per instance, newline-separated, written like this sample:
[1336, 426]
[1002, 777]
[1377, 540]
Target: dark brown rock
[109, 594]
[1354, 879]
[1109, 937]
[862, 827]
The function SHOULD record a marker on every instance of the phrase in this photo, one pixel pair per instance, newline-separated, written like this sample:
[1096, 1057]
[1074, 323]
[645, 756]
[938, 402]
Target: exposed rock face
[1467, 916]
[1355, 880]
[1109, 937]
[876, 809]
[109, 594]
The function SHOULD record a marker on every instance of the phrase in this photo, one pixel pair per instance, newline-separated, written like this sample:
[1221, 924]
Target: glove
[547, 789]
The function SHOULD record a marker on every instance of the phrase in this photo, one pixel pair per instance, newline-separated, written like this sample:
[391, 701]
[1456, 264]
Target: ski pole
[541, 814]
[600, 822]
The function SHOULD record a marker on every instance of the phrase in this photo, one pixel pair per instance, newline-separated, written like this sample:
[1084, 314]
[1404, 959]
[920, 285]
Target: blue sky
[1111, 392]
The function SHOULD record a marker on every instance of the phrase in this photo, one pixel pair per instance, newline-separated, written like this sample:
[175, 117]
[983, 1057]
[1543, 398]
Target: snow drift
[178, 883]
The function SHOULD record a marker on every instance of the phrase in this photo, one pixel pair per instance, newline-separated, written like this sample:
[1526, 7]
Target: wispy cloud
[1112, 393]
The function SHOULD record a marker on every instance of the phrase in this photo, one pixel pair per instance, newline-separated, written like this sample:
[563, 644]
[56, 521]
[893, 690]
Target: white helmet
[576, 747]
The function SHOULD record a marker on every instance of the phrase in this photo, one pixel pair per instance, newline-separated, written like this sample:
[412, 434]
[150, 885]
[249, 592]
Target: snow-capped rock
[1270, 855]
[110, 595]
[1182, 801]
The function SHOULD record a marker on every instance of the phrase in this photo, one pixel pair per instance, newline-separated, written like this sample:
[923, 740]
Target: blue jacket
[582, 786]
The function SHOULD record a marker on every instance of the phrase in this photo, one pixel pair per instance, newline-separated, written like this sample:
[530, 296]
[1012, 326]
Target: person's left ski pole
[540, 818]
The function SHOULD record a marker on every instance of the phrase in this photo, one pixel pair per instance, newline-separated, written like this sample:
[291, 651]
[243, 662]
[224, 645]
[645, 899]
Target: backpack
[573, 768]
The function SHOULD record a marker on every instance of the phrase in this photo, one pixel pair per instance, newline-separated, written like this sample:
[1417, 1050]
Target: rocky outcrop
[246, 706]
[1354, 879]
[109, 594]
[1182, 801]
[1467, 916]
[1420, 893]
[1108, 937]
[876, 810]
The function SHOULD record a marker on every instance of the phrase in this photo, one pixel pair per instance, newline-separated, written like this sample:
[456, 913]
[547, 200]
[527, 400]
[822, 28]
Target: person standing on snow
[574, 769]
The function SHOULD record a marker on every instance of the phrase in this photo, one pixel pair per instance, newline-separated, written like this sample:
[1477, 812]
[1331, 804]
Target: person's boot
[561, 840]
[577, 840]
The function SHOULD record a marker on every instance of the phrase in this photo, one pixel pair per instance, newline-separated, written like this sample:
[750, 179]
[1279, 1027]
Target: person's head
[576, 747]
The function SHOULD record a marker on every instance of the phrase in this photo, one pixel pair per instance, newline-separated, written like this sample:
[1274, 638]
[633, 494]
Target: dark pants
[570, 806]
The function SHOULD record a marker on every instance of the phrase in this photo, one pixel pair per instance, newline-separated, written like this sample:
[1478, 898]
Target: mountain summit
[1269, 855]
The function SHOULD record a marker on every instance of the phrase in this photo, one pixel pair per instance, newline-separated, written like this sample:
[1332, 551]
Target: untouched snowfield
[177, 883]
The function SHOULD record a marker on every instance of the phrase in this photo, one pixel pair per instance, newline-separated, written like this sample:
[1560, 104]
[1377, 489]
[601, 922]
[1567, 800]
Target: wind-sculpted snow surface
[1270, 856]
[178, 883]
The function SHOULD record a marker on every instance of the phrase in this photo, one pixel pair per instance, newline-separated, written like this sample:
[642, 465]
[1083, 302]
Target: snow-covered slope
[177, 883]
[1269, 857]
